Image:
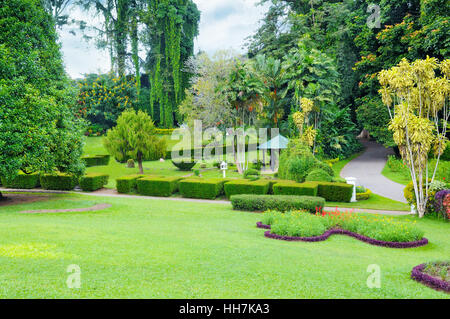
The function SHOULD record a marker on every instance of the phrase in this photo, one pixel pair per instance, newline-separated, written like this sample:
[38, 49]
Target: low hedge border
[297, 189]
[260, 203]
[203, 189]
[93, 181]
[158, 186]
[238, 187]
[335, 192]
[22, 181]
[58, 181]
[418, 275]
[328, 233]
[127, 184]
[96, 160]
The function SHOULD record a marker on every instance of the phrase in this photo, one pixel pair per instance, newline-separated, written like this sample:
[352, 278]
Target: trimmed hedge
[58, 181]
[292, 188]
[158, 186]
[280, 203]
[199, 188]
[22, 181]
[335, 192]
[93, 181]
[96, 160]
[127, 184]
[236, 187]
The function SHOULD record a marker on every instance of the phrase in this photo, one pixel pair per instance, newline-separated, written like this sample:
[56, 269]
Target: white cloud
[223, 25]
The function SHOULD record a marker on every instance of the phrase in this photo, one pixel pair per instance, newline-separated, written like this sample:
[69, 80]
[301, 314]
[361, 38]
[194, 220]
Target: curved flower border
[334, 231]
[418, 275]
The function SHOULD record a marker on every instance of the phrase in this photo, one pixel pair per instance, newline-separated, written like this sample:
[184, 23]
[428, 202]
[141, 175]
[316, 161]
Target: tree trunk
[121, 36]
[135, 46]
[1, 197]
[139, 159]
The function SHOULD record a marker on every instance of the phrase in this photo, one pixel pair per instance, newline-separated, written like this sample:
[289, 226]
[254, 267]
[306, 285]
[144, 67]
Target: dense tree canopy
[38, 131]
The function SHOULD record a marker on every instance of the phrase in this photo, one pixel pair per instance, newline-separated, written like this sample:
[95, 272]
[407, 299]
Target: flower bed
[378, 231]
[419, 274]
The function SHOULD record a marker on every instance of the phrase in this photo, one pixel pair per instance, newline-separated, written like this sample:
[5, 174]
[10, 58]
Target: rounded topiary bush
[318, 175]
[252, 174]
[184, 166]
[130, 163]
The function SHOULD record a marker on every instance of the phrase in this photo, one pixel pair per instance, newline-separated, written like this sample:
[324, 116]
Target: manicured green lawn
[142, 248]
[374, 202]
[397, 177]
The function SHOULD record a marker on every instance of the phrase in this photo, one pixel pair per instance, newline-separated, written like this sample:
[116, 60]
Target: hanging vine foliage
[172, 27]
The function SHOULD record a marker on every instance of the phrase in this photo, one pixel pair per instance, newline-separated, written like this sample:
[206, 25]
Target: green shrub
[127, 184]
[93, 181]
[335, 192]
[96, 160]
[58, 181]
[292, 188]
[252, 174]
[260, 203]
[22, 181]
[364, 195]
[158, 186]
[201, 188]
[338, 180]
[446, 155]
[318, 175]
[260, 187]
[184, 166]
[130, 163]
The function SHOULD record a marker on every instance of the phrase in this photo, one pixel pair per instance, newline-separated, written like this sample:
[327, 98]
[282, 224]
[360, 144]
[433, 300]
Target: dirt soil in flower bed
[17, 199]
[428, 275]
[334, 231]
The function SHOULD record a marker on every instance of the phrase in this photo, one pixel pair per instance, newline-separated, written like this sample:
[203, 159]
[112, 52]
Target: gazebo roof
[277, 143]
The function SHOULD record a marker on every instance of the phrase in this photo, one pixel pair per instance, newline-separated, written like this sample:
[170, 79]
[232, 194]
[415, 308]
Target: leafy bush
[335, 192]
[127, 184]
[96, 160]
[364, 195]
[22, 181]
[297, 161]
[201, 188]
[252, 174]
[93, 181]
[318, 175]
[58, 181]
[130, 163]
[184, 166]
[235, 187]
[158, 186]
[446, 155]
[292, 188]
[276, 202]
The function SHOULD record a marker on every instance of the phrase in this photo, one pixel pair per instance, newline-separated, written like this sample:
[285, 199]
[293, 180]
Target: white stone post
[352, 181]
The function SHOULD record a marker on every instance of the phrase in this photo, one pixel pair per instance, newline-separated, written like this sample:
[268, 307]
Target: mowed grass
[141, 248]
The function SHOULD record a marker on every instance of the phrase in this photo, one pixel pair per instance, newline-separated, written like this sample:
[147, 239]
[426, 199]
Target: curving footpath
[367, 169]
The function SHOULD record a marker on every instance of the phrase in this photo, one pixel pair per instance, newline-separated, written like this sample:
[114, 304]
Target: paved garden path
[367, 169]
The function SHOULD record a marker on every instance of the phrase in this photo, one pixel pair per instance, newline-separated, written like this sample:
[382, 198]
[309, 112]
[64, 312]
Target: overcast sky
[224, 24]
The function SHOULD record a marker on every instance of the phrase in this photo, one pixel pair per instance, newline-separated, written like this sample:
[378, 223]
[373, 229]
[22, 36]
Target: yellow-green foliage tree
[416, 95]
[134, 137]
[308, 132]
